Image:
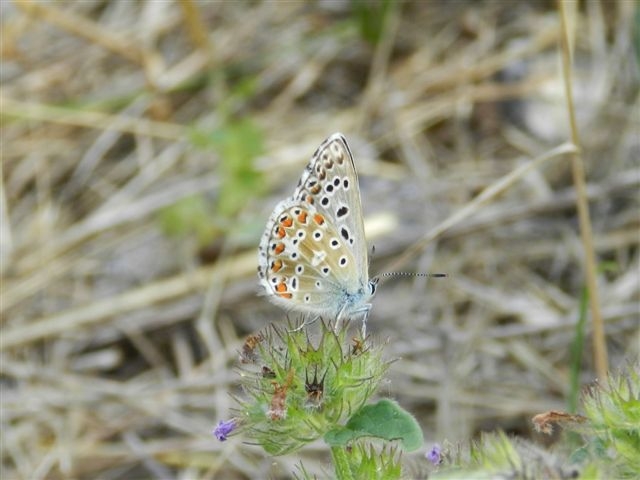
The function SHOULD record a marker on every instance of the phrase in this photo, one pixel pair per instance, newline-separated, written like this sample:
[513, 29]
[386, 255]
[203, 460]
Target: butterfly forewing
[330, 183]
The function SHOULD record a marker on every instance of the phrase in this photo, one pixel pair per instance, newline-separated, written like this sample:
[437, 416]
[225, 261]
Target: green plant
[298, 390]
[371, 17]
[609, 433]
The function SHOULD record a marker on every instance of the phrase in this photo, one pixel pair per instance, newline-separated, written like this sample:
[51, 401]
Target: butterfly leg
[364, 311]
[365, 317]
[305, 323]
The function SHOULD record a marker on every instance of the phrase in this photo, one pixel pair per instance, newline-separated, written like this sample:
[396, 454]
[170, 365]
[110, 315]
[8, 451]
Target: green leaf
[371, 18]
[188, 216]
[385, 420]
[238, 143]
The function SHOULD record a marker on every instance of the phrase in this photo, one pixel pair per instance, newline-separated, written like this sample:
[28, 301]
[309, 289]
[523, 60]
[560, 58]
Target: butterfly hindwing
[313, 256]
[305, 266]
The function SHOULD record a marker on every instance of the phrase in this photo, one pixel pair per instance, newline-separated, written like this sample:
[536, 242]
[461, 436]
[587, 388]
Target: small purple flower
[434, 455]
[224, 428]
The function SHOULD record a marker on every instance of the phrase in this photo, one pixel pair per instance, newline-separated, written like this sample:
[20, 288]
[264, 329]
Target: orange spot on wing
[276, 266]
[281, 290]
[286, 222]
[309, 199]
[302, 218]
[279, 248]
[281, 232]
[319, 219]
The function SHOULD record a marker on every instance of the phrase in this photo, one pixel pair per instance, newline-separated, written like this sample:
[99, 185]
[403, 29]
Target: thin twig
[472, 207]
[586, 234]
[97, 120]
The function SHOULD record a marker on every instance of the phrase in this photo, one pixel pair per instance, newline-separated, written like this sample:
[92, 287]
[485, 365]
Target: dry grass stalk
[119, 339]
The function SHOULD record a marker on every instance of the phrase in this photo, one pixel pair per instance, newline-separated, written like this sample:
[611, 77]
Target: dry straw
[128, 289]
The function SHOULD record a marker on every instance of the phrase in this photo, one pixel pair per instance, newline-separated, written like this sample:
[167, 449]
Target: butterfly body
[313, 256]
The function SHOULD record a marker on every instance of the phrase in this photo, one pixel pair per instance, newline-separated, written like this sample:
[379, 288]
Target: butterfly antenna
[406, 274]
[412, 274]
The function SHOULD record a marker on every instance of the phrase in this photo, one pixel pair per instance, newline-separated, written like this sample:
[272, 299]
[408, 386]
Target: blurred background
[145, 144]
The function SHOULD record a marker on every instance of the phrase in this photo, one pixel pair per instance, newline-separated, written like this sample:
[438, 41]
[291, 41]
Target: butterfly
[313, 255]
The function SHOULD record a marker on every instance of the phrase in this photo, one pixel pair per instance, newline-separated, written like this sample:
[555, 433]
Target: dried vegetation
[145, 143]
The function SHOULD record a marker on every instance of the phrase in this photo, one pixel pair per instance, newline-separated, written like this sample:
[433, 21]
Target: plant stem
[577, 167]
